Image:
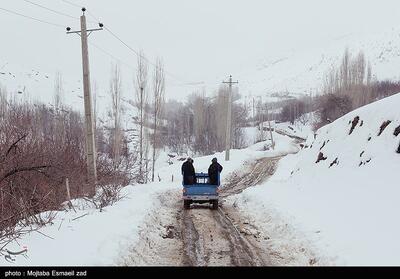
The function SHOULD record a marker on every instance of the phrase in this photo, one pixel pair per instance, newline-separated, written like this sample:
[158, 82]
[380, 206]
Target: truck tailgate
[199, 190]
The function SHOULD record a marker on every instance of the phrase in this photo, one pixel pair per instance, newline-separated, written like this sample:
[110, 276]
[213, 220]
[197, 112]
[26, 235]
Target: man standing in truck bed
[188, 172]
[213, 171]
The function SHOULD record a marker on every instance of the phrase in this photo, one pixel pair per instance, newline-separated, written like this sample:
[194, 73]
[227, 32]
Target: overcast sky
[199, 41]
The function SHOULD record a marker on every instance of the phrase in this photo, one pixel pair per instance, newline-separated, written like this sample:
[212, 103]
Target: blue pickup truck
[201, 191]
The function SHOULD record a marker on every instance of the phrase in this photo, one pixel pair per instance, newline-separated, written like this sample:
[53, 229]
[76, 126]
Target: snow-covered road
[204, 237]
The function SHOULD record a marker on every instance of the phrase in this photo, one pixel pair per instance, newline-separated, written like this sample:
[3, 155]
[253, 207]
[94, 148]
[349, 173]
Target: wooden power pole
[270, 128]
[89, 121]
[261, 112]
[229, 119]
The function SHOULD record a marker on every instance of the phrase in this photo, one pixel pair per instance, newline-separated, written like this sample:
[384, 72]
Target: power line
[51, 10]
[112, 56]
[185, 83]
[137, 53]
[32, 18]
[72, 4]
[133, 50]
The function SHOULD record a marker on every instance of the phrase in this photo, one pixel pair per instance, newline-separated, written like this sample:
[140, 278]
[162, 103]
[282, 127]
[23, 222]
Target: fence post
[67, 186]
[69, 194]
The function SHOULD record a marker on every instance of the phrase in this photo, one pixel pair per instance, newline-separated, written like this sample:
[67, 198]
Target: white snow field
[348, 211]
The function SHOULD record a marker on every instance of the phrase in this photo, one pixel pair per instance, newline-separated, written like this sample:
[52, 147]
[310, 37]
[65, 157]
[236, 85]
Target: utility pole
[254, 120]
[229, 118]
[89, 123]
[270, 128]
[261, 117]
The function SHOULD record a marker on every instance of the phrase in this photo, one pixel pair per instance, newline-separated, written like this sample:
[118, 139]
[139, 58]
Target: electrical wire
[112, 56]
[72, 4]
[184, 82]
[32, 18]
[51, 10]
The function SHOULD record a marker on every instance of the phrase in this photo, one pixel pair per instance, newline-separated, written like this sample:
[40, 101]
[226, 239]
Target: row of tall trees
[147, 104]
[199, 124]
[350, 85]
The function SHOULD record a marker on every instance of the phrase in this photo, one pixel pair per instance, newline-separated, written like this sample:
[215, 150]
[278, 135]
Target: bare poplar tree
[59, 128]
[344, 69]
[115, 91]
[3, 103]
[58, 91]
[141, 103]
[146, 150]
[158, 103]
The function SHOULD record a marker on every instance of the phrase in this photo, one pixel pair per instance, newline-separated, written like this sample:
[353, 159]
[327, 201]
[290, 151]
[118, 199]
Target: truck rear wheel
[186, 204]
[215, 205]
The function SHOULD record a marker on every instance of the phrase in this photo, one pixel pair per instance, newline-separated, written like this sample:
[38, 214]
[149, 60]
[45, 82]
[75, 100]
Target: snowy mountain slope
[298, 72]
[302, 72]
[347, 202]
[26, 83]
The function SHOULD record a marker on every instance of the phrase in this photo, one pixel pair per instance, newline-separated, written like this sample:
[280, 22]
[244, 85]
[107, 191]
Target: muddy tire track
[254, 174]
[210, 239]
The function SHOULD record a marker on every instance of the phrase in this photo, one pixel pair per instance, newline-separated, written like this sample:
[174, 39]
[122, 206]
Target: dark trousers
[188, 180]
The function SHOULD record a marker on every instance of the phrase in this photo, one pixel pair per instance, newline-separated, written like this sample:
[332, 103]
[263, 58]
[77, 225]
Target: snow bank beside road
[97, 238]
[347, 203]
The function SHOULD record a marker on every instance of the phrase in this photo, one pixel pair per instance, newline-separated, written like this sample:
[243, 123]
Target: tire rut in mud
[253, 175]
[211, 239]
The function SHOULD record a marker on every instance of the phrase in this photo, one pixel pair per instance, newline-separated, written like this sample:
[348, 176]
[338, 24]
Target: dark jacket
[188, 173]
[213, 171]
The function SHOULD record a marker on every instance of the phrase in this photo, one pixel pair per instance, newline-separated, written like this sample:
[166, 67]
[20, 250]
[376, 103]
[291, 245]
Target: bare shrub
[39, 147]
[108, 195]
[331, 107]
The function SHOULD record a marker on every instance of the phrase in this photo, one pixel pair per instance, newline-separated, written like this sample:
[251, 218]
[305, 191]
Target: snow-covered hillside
[341, 191]
[291, 75]
[302, 72]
